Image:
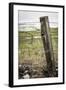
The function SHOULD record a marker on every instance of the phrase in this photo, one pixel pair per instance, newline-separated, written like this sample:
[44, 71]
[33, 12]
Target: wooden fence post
[47, 46]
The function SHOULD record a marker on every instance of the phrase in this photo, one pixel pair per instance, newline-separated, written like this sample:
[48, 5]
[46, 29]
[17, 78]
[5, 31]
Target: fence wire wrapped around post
[47, 46]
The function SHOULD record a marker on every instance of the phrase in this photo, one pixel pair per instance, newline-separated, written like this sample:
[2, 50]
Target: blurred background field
[31, 51]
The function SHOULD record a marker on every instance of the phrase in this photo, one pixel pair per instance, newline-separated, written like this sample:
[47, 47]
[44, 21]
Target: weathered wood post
[47, 46]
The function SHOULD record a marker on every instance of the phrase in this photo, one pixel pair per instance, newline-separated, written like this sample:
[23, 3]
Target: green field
[31, 47]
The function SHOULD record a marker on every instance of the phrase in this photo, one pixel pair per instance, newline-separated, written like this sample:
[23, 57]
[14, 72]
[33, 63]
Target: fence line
[33, 23]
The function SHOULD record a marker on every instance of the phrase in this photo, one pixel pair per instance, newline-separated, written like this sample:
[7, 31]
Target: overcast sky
[27, 18]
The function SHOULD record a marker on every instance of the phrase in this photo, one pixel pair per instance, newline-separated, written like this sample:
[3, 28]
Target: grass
[31, 48]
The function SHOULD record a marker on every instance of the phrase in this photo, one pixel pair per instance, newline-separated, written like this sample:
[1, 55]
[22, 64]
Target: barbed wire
[26, 23]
